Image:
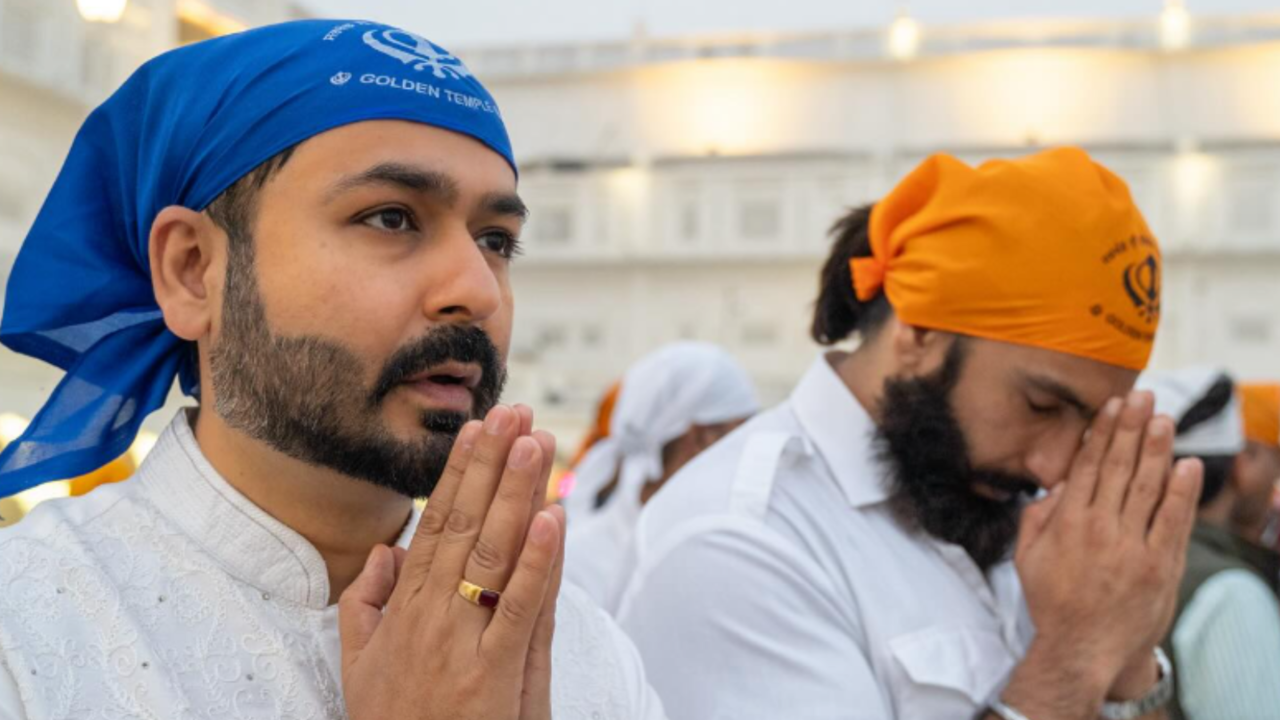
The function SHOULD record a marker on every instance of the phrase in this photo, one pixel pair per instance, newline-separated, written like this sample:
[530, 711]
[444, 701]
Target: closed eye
[1046, 410]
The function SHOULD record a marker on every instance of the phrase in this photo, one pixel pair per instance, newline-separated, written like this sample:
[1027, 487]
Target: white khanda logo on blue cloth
[416, 51]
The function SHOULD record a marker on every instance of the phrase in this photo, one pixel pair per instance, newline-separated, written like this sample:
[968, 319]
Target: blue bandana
[182, 129]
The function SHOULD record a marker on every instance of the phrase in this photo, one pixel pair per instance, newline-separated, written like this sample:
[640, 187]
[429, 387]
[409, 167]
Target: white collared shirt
[172, 596]
[1227, 642]
[774, 582]
[596, 550]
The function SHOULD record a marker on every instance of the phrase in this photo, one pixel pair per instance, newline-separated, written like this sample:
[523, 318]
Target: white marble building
[681, 188]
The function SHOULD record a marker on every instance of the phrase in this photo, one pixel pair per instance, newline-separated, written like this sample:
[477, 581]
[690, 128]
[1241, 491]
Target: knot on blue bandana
[185, 127]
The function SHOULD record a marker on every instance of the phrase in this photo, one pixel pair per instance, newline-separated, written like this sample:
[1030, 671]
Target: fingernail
[521, 454]
[1187, 467]
[467, 436]
[498, 421]
[1112, 408]
[1158, 428]
[543, 526]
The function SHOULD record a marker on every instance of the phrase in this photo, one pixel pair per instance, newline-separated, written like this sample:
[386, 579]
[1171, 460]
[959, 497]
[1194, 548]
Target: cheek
[329, 295]
[1262, 476]
[499, 326]
[1273, 469]
[1001, 445]
[997, 430]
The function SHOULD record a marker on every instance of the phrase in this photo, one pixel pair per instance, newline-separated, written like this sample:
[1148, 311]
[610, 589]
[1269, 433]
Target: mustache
[448, 343]
[1017, 486]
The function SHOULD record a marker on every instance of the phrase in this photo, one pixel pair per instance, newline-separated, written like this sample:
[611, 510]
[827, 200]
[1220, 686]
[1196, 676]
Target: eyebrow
[408, 177]
[504, 203]
[429, 182]
[1063, 393]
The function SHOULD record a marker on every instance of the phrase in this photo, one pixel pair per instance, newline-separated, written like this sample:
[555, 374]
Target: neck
[341, 517]
[1250, 525]
[863, 372]
[1253, 533]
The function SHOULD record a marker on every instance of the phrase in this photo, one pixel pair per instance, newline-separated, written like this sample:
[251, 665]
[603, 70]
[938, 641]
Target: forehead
[1091, 381]
[325, 158]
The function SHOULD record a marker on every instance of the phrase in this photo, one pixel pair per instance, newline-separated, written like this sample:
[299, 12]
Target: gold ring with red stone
[476, 595]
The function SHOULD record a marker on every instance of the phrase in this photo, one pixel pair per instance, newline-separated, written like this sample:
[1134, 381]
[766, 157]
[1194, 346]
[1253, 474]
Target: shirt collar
[842, 431]
[248, 543]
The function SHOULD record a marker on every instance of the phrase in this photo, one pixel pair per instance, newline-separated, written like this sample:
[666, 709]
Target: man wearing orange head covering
[870, 548]
[1258, 467]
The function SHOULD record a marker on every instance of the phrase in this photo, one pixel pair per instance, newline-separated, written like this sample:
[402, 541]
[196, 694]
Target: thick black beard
[303, 395]
[932, 477]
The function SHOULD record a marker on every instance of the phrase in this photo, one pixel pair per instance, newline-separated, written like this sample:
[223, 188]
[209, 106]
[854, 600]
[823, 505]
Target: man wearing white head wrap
[674, 403]
[1225, 641]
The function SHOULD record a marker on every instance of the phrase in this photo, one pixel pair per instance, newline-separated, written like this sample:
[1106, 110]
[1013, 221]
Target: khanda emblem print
[416, 51]
[1142, 282]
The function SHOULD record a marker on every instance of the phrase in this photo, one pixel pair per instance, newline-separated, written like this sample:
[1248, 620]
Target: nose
[1051, 455]
[460, 283]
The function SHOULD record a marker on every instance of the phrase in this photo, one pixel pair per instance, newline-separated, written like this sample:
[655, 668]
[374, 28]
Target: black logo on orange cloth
[1142, 282]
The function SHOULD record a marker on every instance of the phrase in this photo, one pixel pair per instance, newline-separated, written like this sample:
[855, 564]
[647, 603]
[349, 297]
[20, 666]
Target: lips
[447, 387]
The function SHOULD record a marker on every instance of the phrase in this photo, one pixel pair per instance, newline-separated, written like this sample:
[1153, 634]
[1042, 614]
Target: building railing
[863, 45]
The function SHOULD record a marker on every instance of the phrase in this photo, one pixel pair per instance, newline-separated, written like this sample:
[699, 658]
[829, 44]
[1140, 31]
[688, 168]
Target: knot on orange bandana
[1047, 250]
[1260, 406]
[868, 277]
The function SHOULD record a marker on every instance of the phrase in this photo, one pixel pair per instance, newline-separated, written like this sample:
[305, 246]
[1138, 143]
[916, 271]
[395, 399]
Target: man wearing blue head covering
[310, 226]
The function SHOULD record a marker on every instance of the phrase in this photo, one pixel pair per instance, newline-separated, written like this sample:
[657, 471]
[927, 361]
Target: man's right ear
[186, 251]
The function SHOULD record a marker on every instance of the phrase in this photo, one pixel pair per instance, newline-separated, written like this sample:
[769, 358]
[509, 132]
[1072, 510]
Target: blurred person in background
[311, 227]
[675, 403]
[848, 553]
[581, 500]
[1225, 639]
[1257, 519]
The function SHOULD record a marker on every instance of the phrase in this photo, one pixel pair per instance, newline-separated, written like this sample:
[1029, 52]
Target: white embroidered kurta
[171, 596]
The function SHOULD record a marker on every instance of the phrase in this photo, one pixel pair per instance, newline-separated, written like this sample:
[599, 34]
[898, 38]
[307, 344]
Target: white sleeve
[10, 700]
[643, 700]
[1227, 642]
[734, 623]
[597, 673]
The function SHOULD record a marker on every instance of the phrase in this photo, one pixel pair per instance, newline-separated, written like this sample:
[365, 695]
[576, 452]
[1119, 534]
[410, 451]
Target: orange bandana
[1047, 250]
[600, 429]
[1260, 405]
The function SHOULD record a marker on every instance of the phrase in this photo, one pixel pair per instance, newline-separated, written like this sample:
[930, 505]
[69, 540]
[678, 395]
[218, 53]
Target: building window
[96, 60]
[592, 336]
[19, 32]
[759, 220]
[759, 334]
[554, 225]
[10, 209]
[690, 222]
[552, 338]
[1251, 195]
[1251, 330]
